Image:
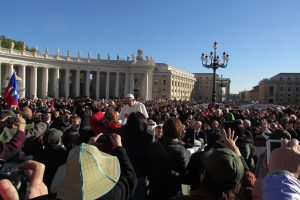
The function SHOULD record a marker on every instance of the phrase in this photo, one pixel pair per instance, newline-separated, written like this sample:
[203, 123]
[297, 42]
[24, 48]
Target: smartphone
[271, 145]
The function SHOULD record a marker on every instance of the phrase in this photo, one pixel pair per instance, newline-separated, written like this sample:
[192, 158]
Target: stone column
[56, 83]
[23, 76]
[117, 84]
[126, 88]
[107, 86]
[227, 92]
[97, 85]
[67, 83]
[45, 82]
[8, 73]
[87, 83]
[146, 86]
[10, 70]
[77, 83]
[33, 86]
[131, 83]
[150, 84]
[0, 78]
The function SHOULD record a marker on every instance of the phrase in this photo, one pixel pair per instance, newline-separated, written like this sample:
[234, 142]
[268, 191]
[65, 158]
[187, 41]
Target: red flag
[10, 95]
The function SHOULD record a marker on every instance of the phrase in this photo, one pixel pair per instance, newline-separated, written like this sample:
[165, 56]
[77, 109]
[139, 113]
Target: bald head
[197, 125]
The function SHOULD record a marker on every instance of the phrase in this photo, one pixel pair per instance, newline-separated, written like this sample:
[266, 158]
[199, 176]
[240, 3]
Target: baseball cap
[53, 136]
[225, 167]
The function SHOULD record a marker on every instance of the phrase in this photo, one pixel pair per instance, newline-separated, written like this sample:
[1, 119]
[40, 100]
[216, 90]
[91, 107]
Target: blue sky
[261, 36]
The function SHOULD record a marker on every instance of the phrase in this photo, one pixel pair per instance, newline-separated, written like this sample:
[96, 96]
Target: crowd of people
[132, 149]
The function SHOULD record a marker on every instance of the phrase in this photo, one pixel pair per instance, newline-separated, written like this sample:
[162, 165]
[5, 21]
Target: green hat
[224, 167]
[53, 136]
[279, 134]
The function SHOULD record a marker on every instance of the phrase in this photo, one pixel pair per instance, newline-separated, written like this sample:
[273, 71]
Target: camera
[18, 178]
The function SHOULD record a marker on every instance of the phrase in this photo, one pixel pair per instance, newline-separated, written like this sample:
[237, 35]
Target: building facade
[204, 84]
[172, 83]
[283, 88]
[46, 75]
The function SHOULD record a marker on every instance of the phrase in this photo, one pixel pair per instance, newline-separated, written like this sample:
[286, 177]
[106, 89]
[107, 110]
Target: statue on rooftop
[12, 45]
[99, 56]
[140, 54]
[24, 46]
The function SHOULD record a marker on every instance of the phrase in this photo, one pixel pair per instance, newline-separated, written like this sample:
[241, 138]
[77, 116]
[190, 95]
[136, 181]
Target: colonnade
[47, 81]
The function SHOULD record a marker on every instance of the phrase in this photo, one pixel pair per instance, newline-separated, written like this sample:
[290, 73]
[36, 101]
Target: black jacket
[125, 187]
[166, 167]
[52, 156]
[136, 146]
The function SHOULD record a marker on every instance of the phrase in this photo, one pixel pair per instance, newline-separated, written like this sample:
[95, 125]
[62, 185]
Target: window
[281, 88]
[289, 89]
[271, 91]
[155, 83]
[297, 89]
[136, 81]
[164, 82]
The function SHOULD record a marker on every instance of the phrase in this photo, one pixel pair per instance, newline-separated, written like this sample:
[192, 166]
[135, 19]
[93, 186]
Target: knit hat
[225, 167]
[87, 174]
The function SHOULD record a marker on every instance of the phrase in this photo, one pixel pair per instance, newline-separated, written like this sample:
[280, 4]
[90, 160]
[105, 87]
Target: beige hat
[87, 174]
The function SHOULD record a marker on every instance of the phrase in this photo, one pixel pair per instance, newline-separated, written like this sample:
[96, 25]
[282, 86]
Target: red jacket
[11, 148]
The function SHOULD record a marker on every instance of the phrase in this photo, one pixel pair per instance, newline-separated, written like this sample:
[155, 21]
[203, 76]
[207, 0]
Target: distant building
[254, 94]
[245, 96]
[283, 88]
[203, 88]
[172, 83]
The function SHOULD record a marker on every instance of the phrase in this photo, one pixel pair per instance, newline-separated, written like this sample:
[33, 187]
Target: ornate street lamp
[214, 64]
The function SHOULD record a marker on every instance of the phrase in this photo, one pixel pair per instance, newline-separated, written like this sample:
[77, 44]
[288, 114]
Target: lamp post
[214, 64]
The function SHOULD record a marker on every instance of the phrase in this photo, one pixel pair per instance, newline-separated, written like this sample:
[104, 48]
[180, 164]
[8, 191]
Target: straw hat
[87, 174]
